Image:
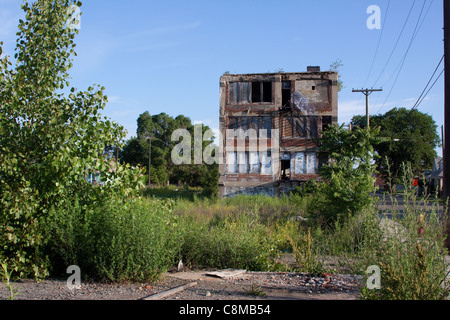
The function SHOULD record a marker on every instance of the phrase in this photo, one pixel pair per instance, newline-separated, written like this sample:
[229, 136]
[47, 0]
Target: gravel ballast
[247, 286]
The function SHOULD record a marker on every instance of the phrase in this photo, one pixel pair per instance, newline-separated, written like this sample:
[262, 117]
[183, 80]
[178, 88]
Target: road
[396, 204]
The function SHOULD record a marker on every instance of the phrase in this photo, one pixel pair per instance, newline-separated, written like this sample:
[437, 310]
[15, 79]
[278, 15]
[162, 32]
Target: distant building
[268, 124]
[435, 177]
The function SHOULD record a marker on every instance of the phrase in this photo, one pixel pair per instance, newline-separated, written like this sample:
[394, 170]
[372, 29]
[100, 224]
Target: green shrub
[228, 242]
[113, 240]
[349, 175]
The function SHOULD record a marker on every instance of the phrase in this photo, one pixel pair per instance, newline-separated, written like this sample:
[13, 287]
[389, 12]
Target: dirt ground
[201, 286]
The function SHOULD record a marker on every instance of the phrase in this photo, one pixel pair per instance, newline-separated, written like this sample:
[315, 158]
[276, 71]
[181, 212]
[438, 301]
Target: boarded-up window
[244, 92]
[244, 123]
[242, 157]
[311, 163]
[313, 127]
[233, 91]
[305, 163]
[233, 123]
[252, 123]
[254, 162]
[287, 127]
[239, 92]
[255, 124]
[266, 162]
[267, 125]
[231, 162]
[300, 127]
[299, 163]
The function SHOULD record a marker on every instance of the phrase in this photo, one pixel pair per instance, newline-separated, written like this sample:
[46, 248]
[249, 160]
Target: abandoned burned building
[269, 123]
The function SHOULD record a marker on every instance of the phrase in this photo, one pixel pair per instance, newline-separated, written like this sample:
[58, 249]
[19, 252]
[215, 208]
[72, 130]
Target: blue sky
[168, 56]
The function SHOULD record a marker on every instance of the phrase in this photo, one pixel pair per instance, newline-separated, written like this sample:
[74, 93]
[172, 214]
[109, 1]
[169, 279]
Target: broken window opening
[286, 94]
[256, 91]
[267, 91]
[326, 122]
[262, 91]
[285, 169]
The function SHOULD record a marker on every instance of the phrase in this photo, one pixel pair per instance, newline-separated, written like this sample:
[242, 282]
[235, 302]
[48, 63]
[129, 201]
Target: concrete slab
[225, 274]
[206, 275]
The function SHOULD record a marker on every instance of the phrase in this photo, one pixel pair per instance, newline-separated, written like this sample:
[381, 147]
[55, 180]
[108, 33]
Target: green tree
[408, 136]
[50, 133]
[160, 128]
[349, 175]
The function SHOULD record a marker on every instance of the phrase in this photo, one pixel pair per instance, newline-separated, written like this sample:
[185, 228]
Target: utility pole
[367, 93]
[446, 155]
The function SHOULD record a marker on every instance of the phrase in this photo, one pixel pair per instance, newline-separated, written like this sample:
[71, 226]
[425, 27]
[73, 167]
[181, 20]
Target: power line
[431, 78]
[396, 43]
[416, 30]
[379, 41]
[417, 104]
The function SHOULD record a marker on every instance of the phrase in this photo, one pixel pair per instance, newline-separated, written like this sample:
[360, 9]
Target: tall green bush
[110, 239]
[349, 175]
[51, 135]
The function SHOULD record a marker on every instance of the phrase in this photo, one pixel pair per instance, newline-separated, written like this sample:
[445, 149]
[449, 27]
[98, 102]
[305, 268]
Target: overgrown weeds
[5, 274]
[139, 239]
[113, 240]
[411, 252]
